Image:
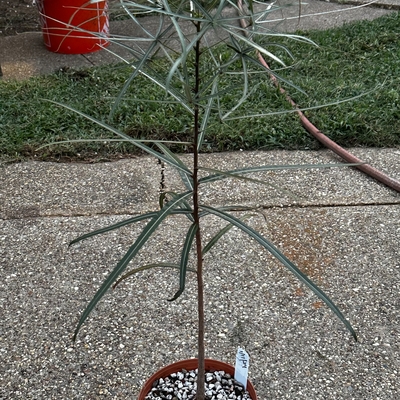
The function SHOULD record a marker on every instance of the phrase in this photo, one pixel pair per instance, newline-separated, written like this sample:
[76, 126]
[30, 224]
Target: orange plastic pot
[211, 365]
[74, 26]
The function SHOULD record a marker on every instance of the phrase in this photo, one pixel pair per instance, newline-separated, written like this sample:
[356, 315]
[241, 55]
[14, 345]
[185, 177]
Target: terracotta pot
[74, 26]
[211, 365]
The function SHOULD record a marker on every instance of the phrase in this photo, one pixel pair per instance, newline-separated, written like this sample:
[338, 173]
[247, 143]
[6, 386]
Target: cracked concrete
[341, 228]
[35, 189]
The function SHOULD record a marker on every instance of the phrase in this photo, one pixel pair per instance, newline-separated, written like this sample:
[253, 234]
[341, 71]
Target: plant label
[242, 367]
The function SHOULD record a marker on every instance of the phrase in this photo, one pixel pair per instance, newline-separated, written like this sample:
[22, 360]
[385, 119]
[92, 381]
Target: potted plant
[194, 77]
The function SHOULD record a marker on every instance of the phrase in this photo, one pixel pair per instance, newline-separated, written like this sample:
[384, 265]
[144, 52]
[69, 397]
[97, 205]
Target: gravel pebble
[182, 385]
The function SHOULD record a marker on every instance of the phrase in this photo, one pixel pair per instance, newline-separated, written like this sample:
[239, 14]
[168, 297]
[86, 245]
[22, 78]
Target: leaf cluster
[193, 80]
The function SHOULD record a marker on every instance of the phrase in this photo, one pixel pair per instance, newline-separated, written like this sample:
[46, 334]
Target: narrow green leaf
[204, 12]
[284, 260]
[125, 222]
[276, 75]
[234, 176]
[137, 143]
[233, 207]
[131, 253]
[207, 113]
[146, 267]
[146, 69]
[221, 233]
[143, 60]
[111, 140]
[114, 226]
[161, 200]
[218, 175]
[155, 78]
[159, 10]
[184, 259]
[295, 110]
[184, 206]
[137, 20]
[256, 46]
[181, 61]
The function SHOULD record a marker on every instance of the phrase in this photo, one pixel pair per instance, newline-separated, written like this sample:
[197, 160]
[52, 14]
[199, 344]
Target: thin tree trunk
[199, 252]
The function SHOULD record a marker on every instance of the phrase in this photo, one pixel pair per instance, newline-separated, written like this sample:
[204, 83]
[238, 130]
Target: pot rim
[192, 363]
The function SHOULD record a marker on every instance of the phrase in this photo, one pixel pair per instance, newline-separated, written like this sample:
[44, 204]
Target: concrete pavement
[341, 228]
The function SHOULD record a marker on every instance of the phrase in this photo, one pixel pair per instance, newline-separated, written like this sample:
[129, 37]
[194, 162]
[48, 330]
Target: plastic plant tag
[242, 367]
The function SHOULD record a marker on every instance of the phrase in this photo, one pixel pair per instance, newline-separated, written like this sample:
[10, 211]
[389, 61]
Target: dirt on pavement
[17, 16]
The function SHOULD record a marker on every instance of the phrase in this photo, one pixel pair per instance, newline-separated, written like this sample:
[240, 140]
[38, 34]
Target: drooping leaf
[207, 114]
[218, 175]
[161, 199]
[238, 174]
[184, 259]
[114, 226]
[146, 267]
[136, 142]
[295, 110]
[138, 68]
[125, 222]
[221, 233]
[284, 260]
[181, 61]
[129, 255]
[109, 141]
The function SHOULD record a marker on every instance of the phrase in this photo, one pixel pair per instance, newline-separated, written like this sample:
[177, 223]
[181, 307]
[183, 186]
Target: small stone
[209, 377]
[172, 388]
[180, 376]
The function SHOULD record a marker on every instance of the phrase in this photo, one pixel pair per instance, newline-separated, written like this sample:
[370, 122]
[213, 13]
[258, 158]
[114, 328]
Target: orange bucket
[74, 26]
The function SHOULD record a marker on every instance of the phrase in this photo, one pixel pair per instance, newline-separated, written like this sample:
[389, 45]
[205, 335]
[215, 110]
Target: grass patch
[352, 60]
[349, 60]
